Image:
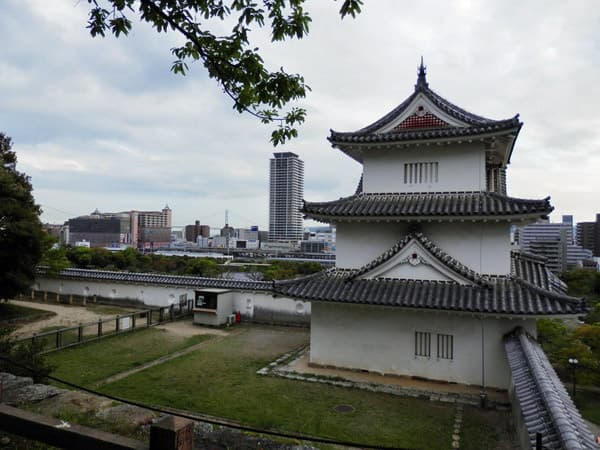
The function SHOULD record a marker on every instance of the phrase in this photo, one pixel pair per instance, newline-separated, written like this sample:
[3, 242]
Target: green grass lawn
[220, 379]
[588, 403]
[9, 311]
[90, 363]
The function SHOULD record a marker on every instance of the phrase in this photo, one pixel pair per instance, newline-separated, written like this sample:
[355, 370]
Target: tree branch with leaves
[231, 59]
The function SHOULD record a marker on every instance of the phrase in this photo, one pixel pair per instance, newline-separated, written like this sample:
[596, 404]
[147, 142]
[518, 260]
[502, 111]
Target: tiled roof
[505, 296]
[532, 268]
[424, 134]
[434, 250]
[164, 280]
[474, 124]
[525, 293]
[419, 204]
[359, 186]
[544, 403]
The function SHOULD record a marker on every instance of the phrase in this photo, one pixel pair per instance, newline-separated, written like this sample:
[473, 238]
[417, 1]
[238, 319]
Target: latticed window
[422, 343]
[445, 346]
[421, 173]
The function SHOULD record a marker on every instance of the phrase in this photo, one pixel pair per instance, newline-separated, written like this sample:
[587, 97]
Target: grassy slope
[220, 380]
[93, 362]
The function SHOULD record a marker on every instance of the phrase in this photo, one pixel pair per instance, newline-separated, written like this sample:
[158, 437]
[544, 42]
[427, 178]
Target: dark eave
[511, 125]
[528, 291]
[505, 296]
[427, 204]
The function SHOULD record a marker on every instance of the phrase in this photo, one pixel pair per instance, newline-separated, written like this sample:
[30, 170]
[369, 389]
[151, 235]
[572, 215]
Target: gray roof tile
[164, 280]
[427, 204]
[542, 398]
[507, 296]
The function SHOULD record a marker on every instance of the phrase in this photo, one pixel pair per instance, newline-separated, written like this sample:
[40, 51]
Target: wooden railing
[86, 332]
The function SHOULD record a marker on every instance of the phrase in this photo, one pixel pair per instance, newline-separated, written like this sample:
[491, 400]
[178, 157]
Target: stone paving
[295, 365]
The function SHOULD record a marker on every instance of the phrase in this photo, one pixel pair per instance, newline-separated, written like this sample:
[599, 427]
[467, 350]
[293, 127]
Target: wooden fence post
[148, 318]
[99, 327]
[58, 343]
[80, 332]
[45, 296]
[32, 294]
[117, 324]
[172, 433]
[133, 321]
[57, 297]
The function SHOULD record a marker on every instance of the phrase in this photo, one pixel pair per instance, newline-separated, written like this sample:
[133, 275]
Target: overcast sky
[102, 123]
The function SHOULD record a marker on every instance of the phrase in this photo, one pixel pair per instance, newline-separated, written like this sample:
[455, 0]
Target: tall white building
[286, 182]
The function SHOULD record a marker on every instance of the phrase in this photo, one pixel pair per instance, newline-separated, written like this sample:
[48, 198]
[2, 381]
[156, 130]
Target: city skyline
[84, 115]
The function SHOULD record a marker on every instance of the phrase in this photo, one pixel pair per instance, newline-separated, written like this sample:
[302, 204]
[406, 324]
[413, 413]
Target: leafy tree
[22, 240]
[202, 267]
[561, 343]
[582, 282]
[81, 257]
[55, 258]
[230, 58]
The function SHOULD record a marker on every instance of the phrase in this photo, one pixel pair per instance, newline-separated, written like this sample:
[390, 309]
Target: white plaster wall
[263, 305]
[360, 243]
[482, 246]
[461, 167]
[147, 294]
[381, 340]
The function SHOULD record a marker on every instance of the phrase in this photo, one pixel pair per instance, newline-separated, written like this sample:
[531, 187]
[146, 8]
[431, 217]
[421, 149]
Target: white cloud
[103, 123]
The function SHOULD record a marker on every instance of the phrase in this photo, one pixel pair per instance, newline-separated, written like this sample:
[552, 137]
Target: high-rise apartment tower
[285, 197]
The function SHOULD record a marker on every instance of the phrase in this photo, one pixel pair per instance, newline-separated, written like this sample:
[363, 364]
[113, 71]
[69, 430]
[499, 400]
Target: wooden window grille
[445, 346]
[421, 173]
[422, 344]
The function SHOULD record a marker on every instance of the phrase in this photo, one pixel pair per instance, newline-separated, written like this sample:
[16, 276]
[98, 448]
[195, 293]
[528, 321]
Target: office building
[555, 242]
[588, 235]
[285, 197]
[193, 231]
[140, 229]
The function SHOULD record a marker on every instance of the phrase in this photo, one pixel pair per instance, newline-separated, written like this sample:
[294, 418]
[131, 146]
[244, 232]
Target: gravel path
[65, 316]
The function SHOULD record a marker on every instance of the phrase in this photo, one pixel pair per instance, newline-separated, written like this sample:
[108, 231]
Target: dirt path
[186, 328]
[65, 316]
[162, 359]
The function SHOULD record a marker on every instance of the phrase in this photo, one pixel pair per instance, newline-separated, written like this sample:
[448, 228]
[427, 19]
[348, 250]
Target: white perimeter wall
[481, 246]
[258, 306]
[461, 167]
[382, 340]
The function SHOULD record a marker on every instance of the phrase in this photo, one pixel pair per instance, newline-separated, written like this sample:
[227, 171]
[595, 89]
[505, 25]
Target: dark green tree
[230, 58]
[22, 240]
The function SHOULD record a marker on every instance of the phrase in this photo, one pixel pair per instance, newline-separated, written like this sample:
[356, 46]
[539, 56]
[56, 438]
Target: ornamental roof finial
[421, 79]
